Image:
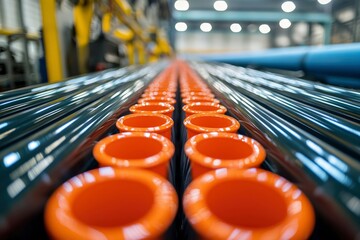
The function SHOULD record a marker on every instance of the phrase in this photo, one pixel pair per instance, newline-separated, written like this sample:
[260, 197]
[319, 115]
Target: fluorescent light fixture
[181, 5]
[324, 2]
[220, 5]
[285, 23]
[180, 27]
[264, 28]
[288, 6]
[205, 27]
[235, 27]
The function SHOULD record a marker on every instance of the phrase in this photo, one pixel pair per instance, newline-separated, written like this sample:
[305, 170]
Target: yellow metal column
[82, 18]
[140, 50]
[51, 41]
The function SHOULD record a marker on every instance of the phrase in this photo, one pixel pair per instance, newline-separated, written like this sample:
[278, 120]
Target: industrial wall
[215, 42]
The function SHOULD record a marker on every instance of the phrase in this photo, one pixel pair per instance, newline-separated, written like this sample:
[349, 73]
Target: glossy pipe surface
[33, 167]
[234, 71]
[46, 86]
[329, 177]
[330, 128]
[22, 102]
[335, 105]
[17, 126]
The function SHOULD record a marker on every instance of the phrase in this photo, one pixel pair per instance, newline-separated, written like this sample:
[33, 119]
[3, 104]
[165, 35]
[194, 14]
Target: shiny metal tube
[52, 92]
[15, 127]
[349, 94]
[326, 126]
[328, 176]
[338, 106]
[45, 86]
[33, 167]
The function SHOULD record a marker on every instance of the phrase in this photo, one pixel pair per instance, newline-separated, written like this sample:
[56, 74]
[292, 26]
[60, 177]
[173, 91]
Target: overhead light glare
[264, 28]
[181, 27]
[324, 2]
[285, 23]
[235, 27]
[288, 6]
[205, 27]
[181, 5]
[220, 6]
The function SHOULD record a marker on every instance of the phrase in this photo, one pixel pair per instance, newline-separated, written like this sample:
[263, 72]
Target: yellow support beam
[82, 18]
[51, 41]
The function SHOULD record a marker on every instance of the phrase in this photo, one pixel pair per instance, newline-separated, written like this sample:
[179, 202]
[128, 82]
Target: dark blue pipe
[334, 60]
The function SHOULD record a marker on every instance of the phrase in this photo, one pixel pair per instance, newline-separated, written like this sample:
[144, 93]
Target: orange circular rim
[164, 155]
[189, 108]
[255, 158]
[232, 127]
[62, 223]
[159, 94]
[167, 108]
[122, 126]
[297, 224]
[197, 94]
[156, 89]
[168, 100]
[195, 89]
[189, 100]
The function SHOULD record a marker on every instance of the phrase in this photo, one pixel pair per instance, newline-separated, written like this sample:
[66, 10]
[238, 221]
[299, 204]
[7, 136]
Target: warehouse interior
[179, 119]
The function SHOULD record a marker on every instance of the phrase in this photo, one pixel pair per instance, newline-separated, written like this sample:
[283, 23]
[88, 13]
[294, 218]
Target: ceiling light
[235, 27]
[264, 28]
[180, 27]
[285, 23]
[220, 5]
[288, 6]
[205, 27]
[181, 5]
[323, 2]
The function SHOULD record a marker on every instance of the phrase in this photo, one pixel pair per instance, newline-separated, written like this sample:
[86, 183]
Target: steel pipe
[234, 71]
[328, 176]
[326, 126]
[33, 167]
[17, 126]
[49, 92]
[335, 105]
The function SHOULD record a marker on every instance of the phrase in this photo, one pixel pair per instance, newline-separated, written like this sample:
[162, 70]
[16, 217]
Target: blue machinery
[335, 60]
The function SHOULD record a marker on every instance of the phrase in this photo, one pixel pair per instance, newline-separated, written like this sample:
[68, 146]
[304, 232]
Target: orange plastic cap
[170, 101]
[247, 204]
[197, 94]
[189, 100]
[145, 122]
[158, 89]
[135, 150]
[204, 107]
[159, 94]
[108, 203]
[208, 151]
[210, 122]
[162, 108]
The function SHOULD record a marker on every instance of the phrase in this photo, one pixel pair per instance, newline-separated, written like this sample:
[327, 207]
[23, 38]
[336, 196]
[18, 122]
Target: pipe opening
[203, 108]
[211, 122]
[245, 203]
[151, 107]
[144, 121]
[113, 203]
[133, 148]
[224, 148]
